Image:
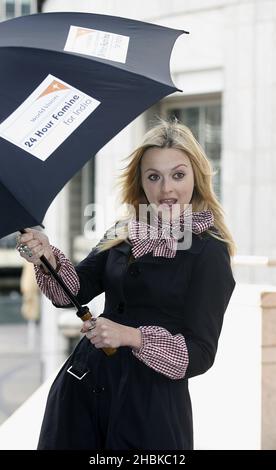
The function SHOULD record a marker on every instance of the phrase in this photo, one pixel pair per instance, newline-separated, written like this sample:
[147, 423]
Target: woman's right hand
[33, 244]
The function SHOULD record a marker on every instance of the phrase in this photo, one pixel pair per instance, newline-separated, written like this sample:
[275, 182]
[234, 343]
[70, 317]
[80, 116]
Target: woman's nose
[166, 186]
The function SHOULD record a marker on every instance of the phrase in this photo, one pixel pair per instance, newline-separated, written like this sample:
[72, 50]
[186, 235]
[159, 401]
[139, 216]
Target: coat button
[98, 390]
[121, 307]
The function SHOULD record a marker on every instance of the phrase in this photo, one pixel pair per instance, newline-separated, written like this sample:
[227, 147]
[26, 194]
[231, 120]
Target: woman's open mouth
[168, 202]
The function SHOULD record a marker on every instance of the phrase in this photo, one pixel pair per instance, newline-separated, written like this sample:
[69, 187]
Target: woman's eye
[153, 177]
[179, 175]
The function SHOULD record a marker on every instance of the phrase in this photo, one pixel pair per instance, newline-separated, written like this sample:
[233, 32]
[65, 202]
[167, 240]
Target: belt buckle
[79, 377]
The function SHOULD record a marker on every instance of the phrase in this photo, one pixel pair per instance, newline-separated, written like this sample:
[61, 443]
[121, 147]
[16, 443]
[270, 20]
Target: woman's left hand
[108, 334]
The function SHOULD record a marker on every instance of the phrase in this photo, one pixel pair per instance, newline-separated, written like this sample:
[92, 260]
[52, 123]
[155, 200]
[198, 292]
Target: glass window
[81, 193]
[205, 123]
[10, 8]
[25, 7]
[13, 8]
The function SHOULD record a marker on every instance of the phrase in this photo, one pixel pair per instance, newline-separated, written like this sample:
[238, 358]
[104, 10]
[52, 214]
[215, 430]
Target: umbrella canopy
[69, 82]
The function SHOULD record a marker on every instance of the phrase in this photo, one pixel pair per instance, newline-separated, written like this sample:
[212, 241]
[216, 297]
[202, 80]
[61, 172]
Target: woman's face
[167, 178]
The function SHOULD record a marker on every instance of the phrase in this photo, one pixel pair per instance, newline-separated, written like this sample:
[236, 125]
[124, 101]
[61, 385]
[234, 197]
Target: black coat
[123, 403]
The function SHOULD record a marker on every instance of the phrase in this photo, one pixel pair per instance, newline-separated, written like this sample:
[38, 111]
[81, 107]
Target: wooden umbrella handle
[108, 351]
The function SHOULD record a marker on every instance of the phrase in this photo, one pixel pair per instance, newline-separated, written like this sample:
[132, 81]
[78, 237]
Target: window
[25, 7]
[11, 8]
[204, 120]
[81, 193]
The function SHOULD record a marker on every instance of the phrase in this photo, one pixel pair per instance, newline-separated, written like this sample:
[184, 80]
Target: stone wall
[268, 304]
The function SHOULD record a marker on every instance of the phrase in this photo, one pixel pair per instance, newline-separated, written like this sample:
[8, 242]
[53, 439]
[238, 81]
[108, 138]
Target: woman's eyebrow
[174, 168]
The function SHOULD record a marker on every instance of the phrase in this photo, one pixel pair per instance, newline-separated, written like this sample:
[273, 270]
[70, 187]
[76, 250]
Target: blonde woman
[167, 280]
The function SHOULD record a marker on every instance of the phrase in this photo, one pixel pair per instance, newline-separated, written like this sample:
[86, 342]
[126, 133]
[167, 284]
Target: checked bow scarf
[162, 237]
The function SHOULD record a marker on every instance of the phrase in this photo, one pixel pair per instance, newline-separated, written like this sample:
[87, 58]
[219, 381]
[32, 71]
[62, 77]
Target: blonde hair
[170, 134]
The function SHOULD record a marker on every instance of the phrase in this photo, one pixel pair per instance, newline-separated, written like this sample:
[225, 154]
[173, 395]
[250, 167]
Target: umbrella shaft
[80, 308]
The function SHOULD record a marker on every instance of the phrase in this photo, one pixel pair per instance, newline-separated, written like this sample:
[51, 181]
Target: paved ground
[20, 368]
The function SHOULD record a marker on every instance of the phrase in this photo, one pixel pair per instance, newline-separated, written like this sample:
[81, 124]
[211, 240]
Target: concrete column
[268, 304]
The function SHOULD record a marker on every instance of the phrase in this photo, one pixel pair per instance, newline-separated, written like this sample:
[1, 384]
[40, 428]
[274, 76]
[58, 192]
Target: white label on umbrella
[47, 117]
[96, 43]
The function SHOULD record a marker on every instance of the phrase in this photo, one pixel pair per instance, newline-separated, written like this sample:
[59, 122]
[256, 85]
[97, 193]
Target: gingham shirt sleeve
[163, 352]
[50, 287]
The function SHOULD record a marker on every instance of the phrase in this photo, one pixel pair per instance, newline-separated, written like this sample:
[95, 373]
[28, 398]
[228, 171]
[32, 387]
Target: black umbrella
[69, 82]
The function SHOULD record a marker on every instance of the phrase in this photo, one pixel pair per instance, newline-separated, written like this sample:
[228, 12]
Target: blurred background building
[226, 68]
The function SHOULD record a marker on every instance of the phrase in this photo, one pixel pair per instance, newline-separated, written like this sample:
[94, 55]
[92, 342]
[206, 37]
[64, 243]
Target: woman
[165, 297]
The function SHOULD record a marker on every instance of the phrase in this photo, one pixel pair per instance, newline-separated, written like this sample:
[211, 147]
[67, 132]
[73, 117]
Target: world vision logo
[53, 87]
